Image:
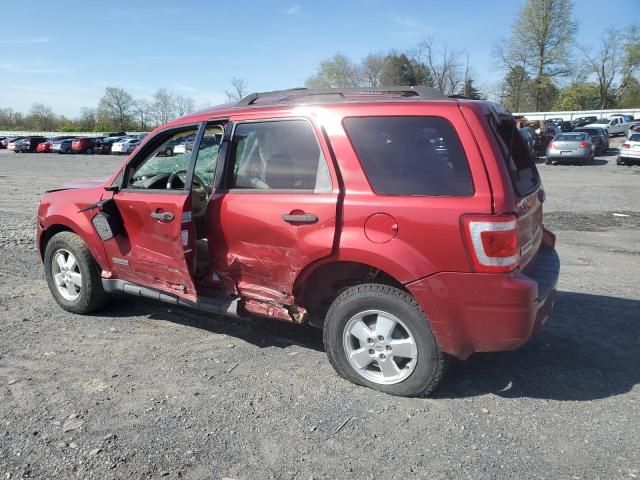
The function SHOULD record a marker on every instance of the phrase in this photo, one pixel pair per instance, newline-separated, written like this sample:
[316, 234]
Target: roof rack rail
[303, 95]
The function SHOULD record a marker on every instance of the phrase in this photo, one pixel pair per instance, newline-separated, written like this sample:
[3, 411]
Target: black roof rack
[308, 95]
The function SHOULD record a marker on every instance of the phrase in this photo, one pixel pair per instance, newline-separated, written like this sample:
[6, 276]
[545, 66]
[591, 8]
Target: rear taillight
[552, 145]
[584, 144]
[626, 145]
[492, 241]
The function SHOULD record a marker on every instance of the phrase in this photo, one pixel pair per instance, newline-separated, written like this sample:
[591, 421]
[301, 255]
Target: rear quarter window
[516, 155]
[410, 155]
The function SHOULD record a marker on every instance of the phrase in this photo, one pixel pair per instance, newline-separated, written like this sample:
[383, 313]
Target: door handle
[162, 216]
[300, 218]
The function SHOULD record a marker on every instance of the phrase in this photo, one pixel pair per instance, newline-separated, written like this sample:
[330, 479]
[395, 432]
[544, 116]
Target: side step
[219, 305]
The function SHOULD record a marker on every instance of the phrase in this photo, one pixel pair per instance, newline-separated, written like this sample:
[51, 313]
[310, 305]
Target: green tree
[399, 69]
[517, 90]
[542, 36]
[578, 96]
[630, 97]
[336, 72]
[469, 90]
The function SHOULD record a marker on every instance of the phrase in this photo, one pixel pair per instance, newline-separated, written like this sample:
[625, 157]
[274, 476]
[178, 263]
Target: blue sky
[65, 52]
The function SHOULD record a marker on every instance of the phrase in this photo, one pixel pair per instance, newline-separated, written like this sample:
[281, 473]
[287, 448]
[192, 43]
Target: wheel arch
[56, 224]
[319, 284]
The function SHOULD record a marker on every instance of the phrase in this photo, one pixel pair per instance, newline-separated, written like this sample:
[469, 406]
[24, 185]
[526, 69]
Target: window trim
[411, 195]
[139, 158]
[224, 176]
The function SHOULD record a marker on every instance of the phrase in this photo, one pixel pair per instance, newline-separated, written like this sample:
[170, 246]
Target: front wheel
[73, 276]
[378, 336]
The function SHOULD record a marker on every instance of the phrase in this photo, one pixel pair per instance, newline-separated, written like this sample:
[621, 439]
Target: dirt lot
[144, 390]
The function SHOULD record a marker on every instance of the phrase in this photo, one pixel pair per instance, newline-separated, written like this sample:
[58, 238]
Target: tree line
[544, 69]
[116, 110]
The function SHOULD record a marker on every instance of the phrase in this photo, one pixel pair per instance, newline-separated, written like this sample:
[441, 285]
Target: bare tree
[184, 105]
[444, 63]
[614, 63]
[371, 69]
[238, 89]
[43, 116]
[164, 107]
[88, 119]
[142, 111]
[116, 105]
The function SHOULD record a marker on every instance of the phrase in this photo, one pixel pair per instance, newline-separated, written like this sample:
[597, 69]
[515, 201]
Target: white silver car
[125, 146]
[630, 150]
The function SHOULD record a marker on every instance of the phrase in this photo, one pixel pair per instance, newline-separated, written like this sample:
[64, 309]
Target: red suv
[407, 225]
[83, 145]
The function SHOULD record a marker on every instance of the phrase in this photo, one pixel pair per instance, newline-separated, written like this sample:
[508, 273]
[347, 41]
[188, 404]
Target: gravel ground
[145, 390]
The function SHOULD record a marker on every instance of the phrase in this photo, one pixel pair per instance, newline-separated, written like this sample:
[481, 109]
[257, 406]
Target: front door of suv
[154, 201]
[275, 211]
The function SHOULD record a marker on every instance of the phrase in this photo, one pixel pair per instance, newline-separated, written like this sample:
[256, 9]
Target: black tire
[92, 295]
[89, 151]
[547, 161]
[431, 362]
[619, 161]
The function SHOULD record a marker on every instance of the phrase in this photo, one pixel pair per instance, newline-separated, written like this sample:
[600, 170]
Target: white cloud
[292, 10]
[24, 40]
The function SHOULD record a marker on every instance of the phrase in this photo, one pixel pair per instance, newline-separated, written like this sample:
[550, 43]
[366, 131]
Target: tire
[619, 161]
[371, 305]
[547, 161]
[89, 151]
[88, 287]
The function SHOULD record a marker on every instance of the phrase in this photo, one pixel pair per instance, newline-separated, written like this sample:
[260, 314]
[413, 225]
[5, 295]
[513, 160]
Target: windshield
[602, 120]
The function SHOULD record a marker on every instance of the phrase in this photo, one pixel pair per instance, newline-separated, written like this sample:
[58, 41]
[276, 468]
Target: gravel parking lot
[146, 390]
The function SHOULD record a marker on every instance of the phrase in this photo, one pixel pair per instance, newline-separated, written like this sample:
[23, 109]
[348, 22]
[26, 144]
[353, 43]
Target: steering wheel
[196, 179]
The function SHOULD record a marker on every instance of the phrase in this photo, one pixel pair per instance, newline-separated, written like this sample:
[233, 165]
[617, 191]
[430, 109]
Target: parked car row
[111, 143]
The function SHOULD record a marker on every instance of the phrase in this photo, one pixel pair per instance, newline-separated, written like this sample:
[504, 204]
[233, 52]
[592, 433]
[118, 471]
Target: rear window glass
[516, 155]
[410, 155]
[568, 137]
[635, 137]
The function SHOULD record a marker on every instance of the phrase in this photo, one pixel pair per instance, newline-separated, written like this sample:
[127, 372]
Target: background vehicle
[570, 147]
[84, 144]
[45, 147]
[614, 125]
[125, 145]
[630, 150]
[62, 146]
[11, 142]
[104, 145]
[28, 144]
[289, 240]
[598, 138]
[582, 121]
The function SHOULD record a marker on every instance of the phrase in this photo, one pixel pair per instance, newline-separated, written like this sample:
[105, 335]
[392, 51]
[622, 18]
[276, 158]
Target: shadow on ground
[588, 350]
[262, 332]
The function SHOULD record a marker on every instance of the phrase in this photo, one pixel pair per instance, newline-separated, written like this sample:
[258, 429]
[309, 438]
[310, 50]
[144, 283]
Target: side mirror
[116, 186]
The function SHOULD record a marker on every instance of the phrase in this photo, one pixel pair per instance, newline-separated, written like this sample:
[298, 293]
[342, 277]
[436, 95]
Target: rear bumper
[478, 312]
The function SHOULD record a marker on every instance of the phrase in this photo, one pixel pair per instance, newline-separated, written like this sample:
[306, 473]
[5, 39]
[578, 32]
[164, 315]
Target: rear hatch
[526, 185]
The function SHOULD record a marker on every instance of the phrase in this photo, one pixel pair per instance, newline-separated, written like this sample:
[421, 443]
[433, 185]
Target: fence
[570, 115]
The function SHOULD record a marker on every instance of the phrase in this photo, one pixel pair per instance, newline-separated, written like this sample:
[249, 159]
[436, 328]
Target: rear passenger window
[410, 155]
[277, 155]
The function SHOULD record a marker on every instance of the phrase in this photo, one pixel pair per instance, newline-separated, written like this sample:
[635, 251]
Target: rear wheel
[378, 336]
[547, 161]
[73, 276]
[619, 161]
[89, 151]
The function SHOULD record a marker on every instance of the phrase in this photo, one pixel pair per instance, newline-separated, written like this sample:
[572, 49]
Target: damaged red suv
[407, 225]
